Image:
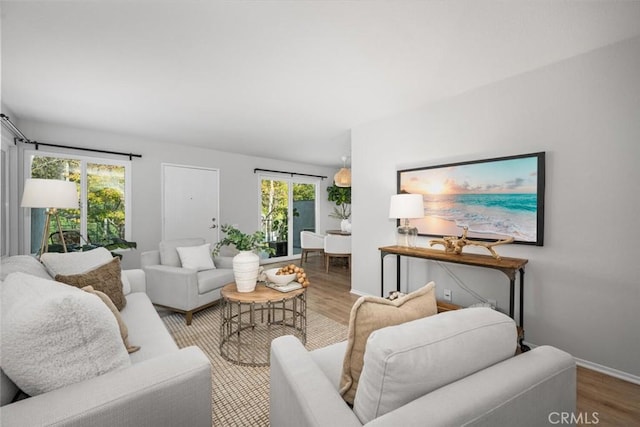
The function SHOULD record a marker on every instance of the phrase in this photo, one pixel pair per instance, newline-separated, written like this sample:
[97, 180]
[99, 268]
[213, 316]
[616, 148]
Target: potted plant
[341, 196]
[246, 264]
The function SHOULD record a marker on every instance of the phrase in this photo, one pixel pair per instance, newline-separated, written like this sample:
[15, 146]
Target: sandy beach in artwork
[443, 227]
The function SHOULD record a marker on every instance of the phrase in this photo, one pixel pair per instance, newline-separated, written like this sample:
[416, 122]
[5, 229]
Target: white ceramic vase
[245, 270]
[345, 226]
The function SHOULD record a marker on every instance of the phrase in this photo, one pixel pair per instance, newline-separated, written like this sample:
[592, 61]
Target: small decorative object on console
[453, 244]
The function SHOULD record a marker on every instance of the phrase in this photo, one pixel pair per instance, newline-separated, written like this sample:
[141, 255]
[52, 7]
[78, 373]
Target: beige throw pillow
[105, 278]
[370, 313]
[124, 331]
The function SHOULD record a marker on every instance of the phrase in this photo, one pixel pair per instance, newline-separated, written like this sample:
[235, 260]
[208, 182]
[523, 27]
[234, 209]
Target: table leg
[382, 254]
[522, 298]
[512, 289]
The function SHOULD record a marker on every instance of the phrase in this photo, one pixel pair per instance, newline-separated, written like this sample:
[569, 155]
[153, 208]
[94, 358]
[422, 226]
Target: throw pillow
[370, 313]
[124, 331]
[75, 262]
[196, 257]
[106, 278]
[404, 362]
[54, 335]
[80, 262]
[169, 254]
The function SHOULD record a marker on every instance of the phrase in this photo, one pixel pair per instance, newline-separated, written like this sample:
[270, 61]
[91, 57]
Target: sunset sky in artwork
[506, 176]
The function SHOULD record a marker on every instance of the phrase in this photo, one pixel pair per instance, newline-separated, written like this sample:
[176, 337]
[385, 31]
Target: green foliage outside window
[275, 206]
[105, 197]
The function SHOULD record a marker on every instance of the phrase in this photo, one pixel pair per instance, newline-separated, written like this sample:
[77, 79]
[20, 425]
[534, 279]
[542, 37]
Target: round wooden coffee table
[251, 320]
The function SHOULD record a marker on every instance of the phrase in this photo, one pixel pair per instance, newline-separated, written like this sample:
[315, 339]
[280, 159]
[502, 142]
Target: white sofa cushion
[75, 262]
[80, 262]
[54, 335]
[169, 253]
[404, 362]
[196, 257]
[146, 329]
[210, 280]
[23, 264]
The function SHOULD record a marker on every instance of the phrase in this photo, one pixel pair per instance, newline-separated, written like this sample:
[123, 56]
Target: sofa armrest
[223, 261]
[524, 390]
[300, 393]
[148, 258]
[137, 280]
[172, 389]
[174, 287]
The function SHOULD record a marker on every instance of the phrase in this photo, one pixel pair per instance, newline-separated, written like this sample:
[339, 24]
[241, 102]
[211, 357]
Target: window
[288, 207]
[103, 186]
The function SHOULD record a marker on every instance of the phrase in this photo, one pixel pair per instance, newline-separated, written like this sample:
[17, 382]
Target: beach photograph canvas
[493, 198]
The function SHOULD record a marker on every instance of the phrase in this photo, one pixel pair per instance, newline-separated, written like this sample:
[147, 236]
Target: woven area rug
[241, 394]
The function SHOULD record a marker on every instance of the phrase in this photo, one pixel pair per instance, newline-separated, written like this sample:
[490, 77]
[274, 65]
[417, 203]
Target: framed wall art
[494, 198]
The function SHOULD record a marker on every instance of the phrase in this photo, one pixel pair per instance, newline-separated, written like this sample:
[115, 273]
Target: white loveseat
[164, 385]
[451, 369]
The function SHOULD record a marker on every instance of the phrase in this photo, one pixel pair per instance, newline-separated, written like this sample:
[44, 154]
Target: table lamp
[50, 194]
[405, 207]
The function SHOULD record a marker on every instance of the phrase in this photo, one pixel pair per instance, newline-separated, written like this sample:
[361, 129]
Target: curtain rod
[20, 137]
[288, 173]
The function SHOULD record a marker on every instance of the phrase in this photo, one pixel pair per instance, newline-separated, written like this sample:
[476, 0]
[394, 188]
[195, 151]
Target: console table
[509, 266]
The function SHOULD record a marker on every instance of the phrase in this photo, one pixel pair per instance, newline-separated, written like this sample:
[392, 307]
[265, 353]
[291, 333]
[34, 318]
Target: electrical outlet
[493, 303]
[447, 294]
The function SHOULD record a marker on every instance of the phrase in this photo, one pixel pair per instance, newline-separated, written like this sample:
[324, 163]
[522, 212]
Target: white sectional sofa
[164, 385]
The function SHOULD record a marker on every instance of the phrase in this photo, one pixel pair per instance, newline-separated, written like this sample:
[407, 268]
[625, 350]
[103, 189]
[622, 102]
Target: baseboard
[602, 369]
[360, 294]
[608, 371]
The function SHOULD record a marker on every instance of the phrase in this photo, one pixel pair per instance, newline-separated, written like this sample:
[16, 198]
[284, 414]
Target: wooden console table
[509, 266]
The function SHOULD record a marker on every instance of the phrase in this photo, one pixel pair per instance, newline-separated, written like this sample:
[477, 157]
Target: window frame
[29, 154]
[295, 179]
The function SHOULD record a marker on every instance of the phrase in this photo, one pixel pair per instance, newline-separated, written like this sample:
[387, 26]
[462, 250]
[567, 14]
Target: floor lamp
[50, 194]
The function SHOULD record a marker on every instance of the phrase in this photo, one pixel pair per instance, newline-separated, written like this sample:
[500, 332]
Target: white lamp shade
[49, 193]
[406, 206]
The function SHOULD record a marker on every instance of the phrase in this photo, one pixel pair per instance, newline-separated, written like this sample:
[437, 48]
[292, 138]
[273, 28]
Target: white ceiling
[282, 79]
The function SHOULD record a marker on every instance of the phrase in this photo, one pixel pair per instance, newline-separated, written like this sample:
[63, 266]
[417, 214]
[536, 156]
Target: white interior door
[190, 202]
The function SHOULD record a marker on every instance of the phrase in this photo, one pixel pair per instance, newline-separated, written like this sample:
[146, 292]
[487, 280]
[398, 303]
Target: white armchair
[311, 242]
[183, 290]
[337, 246]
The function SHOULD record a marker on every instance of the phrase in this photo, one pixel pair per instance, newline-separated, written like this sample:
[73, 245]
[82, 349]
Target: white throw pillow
[75, 262]
[196, 257]
[169, 254]
[404, 362]
[54, 335]
[80, 262]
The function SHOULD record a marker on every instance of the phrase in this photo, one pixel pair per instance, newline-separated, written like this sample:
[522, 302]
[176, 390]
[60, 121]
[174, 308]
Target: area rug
[240, 394]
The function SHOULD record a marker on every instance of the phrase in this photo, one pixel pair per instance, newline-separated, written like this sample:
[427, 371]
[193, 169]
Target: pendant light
[343, 177]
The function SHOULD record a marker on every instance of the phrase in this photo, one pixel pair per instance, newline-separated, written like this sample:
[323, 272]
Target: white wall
[582, 289]
[239, 187]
